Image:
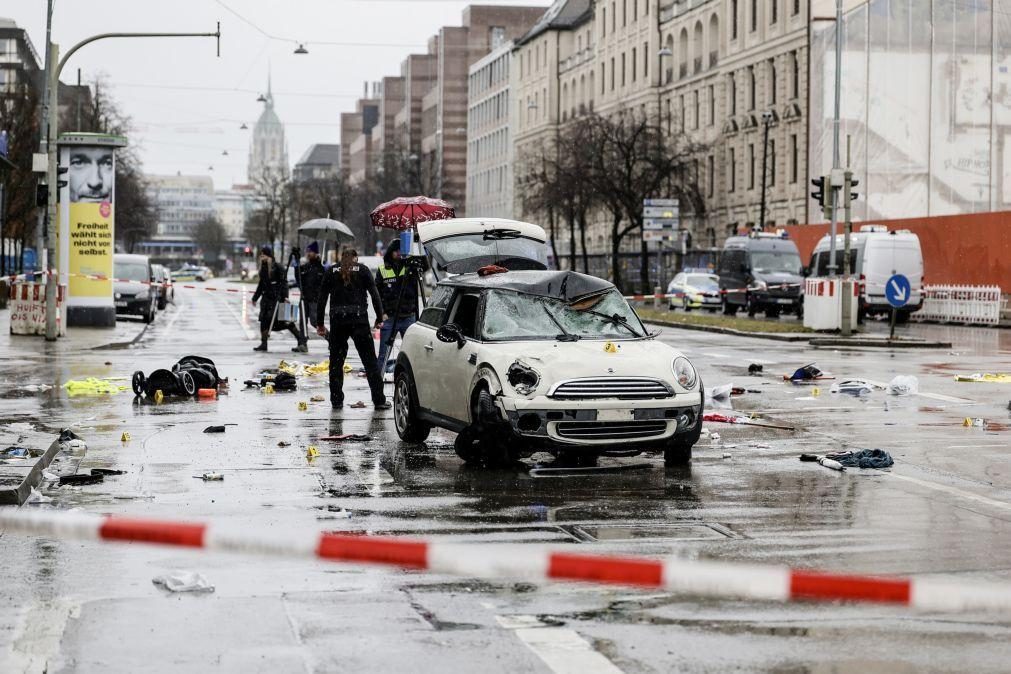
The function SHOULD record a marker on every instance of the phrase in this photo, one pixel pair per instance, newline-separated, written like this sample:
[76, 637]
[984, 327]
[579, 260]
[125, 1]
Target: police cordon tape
[726, 291]
[98, 277]
[526, 563]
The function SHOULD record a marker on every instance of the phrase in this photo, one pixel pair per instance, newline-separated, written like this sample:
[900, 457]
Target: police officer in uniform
[273, 288]
[347, 286]
[390, 276]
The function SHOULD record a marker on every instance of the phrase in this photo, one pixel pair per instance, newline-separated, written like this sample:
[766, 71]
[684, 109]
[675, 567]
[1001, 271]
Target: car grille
[624, 388]
[610, 430]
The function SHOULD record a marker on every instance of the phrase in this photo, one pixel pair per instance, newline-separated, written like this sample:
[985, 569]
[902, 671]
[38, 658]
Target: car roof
[130, 257]
[564, 285]
[764, 243]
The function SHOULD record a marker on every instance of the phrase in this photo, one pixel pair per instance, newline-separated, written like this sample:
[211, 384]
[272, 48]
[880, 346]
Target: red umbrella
[406, 212]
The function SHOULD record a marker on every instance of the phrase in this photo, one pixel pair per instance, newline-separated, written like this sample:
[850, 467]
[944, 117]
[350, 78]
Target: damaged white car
[519, 359]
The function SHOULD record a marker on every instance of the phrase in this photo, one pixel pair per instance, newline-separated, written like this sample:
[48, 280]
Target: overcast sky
[187, 105]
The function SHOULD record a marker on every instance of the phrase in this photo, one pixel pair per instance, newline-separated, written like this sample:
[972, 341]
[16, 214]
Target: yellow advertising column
[87, 226]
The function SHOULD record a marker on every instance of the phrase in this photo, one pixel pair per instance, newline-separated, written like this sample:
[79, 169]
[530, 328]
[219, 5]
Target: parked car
[134, 290]
[163, 281]
[518, 359]
[761, 272]
[192, 272]
[694, 290]
[875, 255]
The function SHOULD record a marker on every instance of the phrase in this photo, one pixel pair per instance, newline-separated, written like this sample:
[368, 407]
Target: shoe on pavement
[384, 406]
[262, 347]
[301, 348]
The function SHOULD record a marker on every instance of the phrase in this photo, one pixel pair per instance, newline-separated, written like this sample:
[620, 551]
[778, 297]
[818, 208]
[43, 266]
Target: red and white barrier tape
[531, 563]
[726, 291]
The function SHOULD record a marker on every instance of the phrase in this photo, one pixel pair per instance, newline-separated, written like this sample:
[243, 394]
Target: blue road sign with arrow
[898, 291]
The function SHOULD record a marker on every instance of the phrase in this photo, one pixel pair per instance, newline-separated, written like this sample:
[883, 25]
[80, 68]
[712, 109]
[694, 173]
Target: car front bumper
[621, 424]
[132, 306]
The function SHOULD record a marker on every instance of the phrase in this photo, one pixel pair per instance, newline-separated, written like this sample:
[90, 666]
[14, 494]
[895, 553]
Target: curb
[778, 336]
[18, 495]
[879, 343]
[526, 562]
[123, 345]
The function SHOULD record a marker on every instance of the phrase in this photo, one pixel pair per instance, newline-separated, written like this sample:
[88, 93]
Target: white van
[876, 254]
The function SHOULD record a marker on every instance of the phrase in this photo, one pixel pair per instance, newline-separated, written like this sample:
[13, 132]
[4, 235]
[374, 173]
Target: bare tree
[633, 160]
[210, 236]
[19, 117]
[270, 222]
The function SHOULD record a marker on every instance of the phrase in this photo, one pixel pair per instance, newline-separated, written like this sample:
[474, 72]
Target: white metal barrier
[974, 305]
[823, 303]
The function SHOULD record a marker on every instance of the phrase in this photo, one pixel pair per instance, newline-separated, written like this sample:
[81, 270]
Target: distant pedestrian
[392, 279]
[348, 286]
[311, 276]
[273, 288]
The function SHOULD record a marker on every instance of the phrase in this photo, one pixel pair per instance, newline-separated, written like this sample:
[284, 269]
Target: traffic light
[819, 191]
[41, 195]
[850, 184]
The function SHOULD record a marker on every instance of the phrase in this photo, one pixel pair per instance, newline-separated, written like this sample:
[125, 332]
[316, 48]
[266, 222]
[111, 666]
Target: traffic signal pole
[836, 175]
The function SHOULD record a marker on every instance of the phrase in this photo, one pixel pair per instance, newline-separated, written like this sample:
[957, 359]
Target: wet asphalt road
[943, 509]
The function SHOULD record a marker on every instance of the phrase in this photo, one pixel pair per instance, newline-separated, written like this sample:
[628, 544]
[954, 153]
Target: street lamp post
[767, 120]
[48, 147]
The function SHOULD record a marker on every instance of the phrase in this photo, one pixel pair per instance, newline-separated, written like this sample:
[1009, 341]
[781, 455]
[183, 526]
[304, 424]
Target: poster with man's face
[90, 174]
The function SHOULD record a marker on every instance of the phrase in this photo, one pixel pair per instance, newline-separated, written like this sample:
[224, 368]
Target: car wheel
[677, 453]
[162, 303]
[405, 410]
[148, 315]
[686, 304]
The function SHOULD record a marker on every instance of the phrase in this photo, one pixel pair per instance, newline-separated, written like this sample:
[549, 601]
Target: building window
[624, 13]
[614, 18]
[497, 34]
[733, 19]
[645, 60]
[754, 15]
[603, 79]
[772, 82]
[751, 88]
[751, 166]
[732, 93]
[796, 7]
[612, 73]
[711, 174]
[772, 162]
[635, 9]
[695, 106]
[623, 69]
[681, 107]
[773, 11]
[712, 104]
[732, 171]
[634, 63]
[794, 158]
[795, 75]
[603, 24]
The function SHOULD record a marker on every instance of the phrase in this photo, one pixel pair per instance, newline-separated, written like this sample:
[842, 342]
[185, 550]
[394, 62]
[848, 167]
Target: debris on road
[299, 369]
[107, 471]
[823, 460]
[904, 385]
[92, 386]
[214, 429]
[807, 373]
[720, 392]
[358, 405]
[755, 369]
[190, 376]
[16, 453]
[273, 380]
[978, 421]
[207, 393]
[743, 420]
[284, 443]
[864, 458]
[317, 399]
[303, 406]
[81, 479]
[350, 437]
[211, 477]
[853, 387]
[183, 581]
[985, 378]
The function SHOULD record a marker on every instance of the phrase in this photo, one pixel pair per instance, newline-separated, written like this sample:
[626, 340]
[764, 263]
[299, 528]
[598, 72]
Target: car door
[419, 346]
[454, 366]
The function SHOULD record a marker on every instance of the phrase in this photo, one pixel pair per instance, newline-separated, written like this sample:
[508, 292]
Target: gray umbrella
[326, 229]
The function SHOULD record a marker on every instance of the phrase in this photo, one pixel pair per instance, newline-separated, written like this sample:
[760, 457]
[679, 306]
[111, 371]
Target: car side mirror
[451, 332]
[805, 272]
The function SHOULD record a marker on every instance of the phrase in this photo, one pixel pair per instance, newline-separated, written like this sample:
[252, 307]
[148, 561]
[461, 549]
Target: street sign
[660, 212]
[667, 203]
[898, 291]
[658, 234]
[661, 223]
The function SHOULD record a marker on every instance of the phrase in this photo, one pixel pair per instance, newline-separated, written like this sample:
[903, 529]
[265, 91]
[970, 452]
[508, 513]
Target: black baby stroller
[186, 377]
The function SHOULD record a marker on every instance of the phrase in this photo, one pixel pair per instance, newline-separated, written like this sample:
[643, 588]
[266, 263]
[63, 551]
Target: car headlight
[759, 285]
[523, 378]
[142, 294]
[684, 372]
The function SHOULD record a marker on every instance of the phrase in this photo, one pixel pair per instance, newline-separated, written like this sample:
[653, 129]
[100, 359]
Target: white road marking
[251, 335]
[954, 491]
[561, 649]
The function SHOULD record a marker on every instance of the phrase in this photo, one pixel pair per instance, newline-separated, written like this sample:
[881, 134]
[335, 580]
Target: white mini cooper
[518, 359]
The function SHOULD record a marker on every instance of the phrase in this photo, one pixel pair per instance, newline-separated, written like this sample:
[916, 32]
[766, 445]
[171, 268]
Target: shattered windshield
[468, 253]
[510, 315]
[771, 262]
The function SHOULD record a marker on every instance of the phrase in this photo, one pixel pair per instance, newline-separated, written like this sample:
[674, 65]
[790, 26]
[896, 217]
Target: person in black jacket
[311, 276]
[273, 288]
[348, 286]
[390, 276]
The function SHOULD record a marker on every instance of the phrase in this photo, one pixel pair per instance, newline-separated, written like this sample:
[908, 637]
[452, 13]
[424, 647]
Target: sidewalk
[77, 339]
